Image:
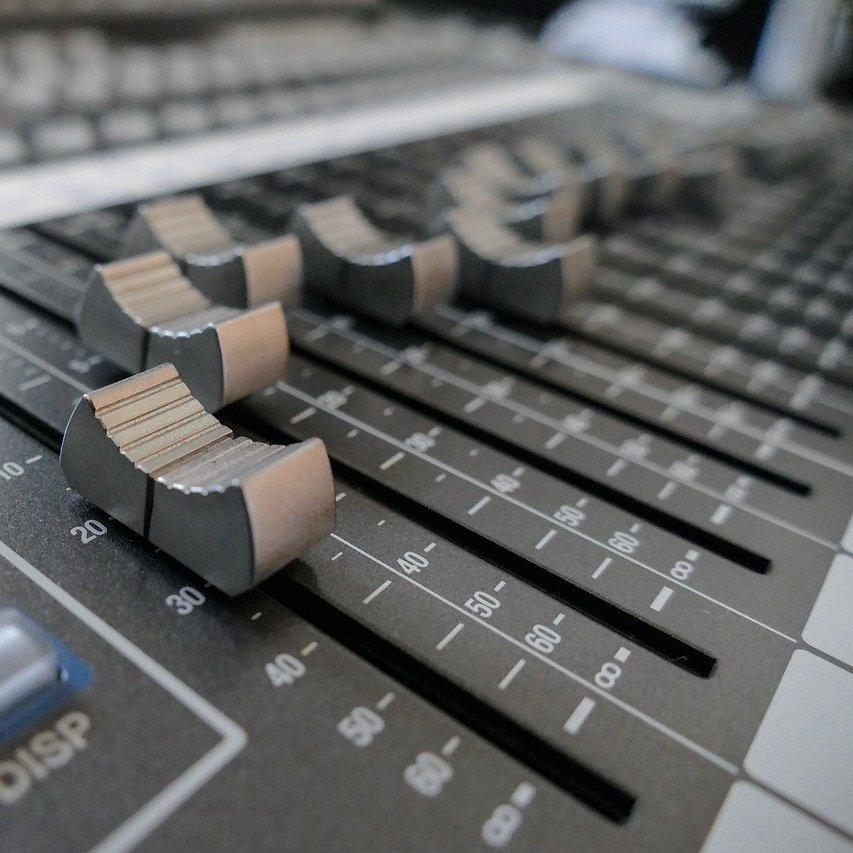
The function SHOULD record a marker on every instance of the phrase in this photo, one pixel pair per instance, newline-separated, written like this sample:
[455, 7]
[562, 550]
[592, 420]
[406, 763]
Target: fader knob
[225, 271]
[356, 265]
[232, 510]
[533, 281]
[142, 312]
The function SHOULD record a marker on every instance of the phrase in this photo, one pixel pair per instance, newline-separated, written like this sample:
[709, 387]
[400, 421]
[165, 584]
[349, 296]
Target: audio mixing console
[590, 579]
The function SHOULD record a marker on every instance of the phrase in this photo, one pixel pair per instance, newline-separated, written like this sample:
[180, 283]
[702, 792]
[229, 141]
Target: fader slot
[664, 401]
[504, 412]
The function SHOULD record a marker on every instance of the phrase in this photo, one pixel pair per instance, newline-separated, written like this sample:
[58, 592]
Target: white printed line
[303, 415]
[558, 618]
[308, 649]
[691, 555]
[507, 679]
[479, 505]
[579, 715]
[337, 556]
[661, 599]
[340, 496]
[451, 746]
[444, 641]
[392, 461]
[617, 467]
[555, 440]
[48, 368]
[668, 488]
[255, 616]
[545, 539]
[34, 383]
[389, 368]
[500, 585]
[523, 795]
[670, 413]
[623, 654]
[473, 405]
[721, 514]
[428, 548]
[461, 475]
[606, 696]
[385, 701]
[139, 825]
[316, 334]
[378, 591]
[602, 567]
[33, 459]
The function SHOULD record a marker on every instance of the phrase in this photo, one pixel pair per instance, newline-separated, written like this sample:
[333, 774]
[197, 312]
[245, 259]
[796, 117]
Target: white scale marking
[545, 539]
[157, 810]
[721, 514]
[34, 383]
[691, 555]
[472, 405]
[303, 415]
[337, 556]
[378, 591]
[558, 618]
[500, 585]
[661, 599]
[340, 496]
[667, 490]
[443, 642]
[48, 368]
[428, 548]
[616, 468]
[385, 701]
[578, 362]
[308, 649]
[256, 616]
[579, 715]
[622, 654]
[389, 368]
[602, 567]
[523, 795]
[392, 461]
[508, 678]
[451, 746]
[726, 765]
[533, 511]
[33, 459]
[555, 440]
[479, 505]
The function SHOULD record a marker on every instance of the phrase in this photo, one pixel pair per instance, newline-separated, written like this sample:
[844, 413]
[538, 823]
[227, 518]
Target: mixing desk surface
[579, 575]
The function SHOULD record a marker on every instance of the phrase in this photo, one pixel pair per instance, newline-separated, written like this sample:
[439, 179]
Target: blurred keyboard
[79, 90]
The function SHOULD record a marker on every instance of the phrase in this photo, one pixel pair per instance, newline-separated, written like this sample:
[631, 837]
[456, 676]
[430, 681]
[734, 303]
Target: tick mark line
[378, 591]
[507, 679]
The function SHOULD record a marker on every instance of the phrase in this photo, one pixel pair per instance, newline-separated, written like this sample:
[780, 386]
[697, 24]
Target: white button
[753, 820]
[828, 628]
[804, 747]
[28, 661]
